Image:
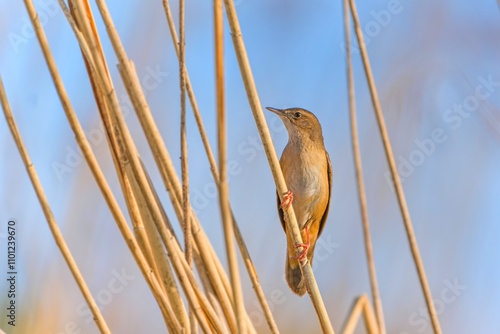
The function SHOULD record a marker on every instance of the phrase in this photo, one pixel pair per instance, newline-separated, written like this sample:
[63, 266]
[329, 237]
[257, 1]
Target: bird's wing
[280, 212]
[330, 179]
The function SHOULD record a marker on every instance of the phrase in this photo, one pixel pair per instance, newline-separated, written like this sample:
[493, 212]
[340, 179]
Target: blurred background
[436, 69]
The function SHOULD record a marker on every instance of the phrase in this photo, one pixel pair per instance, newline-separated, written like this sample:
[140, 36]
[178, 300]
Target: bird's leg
[287, 200]
[305, 246]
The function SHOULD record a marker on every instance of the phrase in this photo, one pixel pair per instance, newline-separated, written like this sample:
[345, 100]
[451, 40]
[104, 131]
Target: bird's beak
[278, 112]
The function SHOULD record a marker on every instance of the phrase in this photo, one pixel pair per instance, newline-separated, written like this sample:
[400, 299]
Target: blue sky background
[427, 57]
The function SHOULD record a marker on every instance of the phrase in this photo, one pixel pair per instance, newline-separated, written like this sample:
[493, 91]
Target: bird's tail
[294, 278]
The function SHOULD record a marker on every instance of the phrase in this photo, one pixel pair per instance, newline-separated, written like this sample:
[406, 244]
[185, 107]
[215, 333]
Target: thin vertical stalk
[394, 172]
[44, 203]
[238, 305]
[265, 135]
[184, 158]
[188, 236]
[359, 176]
[190, 92]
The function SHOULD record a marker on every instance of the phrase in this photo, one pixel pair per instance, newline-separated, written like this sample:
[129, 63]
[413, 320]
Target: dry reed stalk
[188, 237]
[363, 307]
[359, 176]
[412, 240]
[189, 88]
[260, 120]
[215, 173]
[223, 186]
[44, 203]
[184, 156]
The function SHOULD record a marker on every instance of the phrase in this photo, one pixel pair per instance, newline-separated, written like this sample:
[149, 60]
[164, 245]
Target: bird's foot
[287, 200]
[305, 247]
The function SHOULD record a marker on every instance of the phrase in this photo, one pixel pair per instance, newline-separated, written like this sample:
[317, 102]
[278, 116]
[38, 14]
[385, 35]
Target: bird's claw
[287, 200]
[305, 247]
[303, 253]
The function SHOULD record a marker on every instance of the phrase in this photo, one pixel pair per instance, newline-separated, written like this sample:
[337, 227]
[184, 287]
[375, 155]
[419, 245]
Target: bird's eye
[297, 114]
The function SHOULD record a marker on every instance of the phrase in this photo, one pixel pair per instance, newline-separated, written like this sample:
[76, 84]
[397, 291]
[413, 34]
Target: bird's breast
[304, 181]
[306, 175]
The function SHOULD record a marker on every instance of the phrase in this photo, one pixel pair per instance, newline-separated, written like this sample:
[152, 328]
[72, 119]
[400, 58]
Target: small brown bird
[308, 174]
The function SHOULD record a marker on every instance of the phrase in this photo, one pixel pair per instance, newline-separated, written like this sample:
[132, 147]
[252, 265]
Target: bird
[308, 174]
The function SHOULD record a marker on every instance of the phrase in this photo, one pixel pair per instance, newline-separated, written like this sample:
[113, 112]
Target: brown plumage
[308, 174]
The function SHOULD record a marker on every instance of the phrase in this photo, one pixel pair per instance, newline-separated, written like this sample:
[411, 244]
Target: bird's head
[301, 124]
